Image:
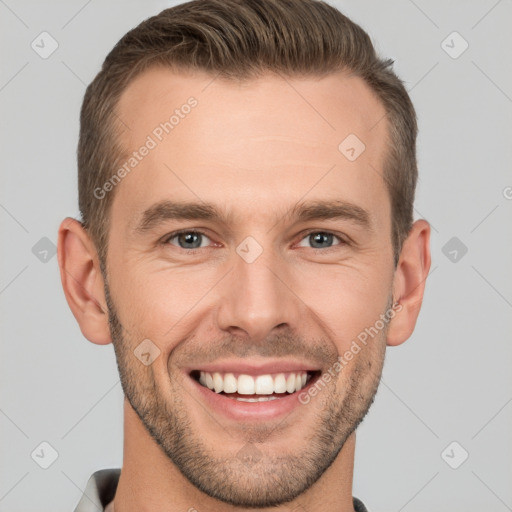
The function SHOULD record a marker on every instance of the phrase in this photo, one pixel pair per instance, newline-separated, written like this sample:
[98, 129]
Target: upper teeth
[249, 385]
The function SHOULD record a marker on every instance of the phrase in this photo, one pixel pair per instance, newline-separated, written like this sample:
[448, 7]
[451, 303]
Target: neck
[150, 481]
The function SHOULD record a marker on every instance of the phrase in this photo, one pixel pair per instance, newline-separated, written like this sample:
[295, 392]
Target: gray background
[450, 382]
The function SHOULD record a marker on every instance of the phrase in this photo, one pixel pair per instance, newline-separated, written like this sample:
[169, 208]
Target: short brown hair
[241, 39]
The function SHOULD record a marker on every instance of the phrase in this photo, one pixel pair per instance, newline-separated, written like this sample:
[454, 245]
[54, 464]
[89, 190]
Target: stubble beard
[265, 480]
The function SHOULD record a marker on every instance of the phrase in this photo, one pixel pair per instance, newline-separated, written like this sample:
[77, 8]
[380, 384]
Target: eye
[187, 239]
[320, 240]
[192, 239]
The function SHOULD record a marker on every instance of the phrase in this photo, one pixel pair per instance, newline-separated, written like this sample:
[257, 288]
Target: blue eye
[188, 239]
[320, 239]
[192, 239]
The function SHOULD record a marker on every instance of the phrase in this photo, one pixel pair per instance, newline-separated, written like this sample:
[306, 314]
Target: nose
[258, 298]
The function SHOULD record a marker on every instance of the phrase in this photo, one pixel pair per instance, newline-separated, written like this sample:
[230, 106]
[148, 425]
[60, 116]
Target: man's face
[260, 290]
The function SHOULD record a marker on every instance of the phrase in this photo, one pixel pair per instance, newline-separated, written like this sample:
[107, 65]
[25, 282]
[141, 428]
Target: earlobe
[82, 281]
[409, 283]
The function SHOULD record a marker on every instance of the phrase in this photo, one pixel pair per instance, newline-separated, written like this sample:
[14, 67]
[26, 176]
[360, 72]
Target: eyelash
[342, 241]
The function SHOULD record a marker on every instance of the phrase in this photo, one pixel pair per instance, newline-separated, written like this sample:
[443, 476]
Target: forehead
[273, 139]
[332, 104]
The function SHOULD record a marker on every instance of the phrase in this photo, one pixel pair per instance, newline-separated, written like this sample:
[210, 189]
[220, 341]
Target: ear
[409, 282]
[82, 281]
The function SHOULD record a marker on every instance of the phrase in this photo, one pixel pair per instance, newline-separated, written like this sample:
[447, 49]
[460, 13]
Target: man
[246, 182]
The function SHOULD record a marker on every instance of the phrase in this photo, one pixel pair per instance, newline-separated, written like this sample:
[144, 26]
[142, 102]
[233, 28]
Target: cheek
[155, 303]
[346, 300]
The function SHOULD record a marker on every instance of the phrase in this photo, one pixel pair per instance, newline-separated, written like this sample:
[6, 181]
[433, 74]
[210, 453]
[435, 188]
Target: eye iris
[189, 238]
[318, 238]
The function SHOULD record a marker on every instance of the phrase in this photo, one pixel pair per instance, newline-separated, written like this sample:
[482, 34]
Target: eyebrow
[301, 212]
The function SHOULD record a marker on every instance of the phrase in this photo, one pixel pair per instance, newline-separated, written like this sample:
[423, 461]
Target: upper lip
[256, 368]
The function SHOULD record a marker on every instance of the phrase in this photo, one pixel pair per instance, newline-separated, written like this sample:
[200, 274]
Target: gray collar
[99, 491]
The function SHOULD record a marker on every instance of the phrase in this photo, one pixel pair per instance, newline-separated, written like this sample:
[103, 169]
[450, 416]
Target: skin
[255, 149]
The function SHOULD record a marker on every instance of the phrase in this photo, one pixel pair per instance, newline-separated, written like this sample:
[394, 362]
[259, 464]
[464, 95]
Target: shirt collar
[99, 491]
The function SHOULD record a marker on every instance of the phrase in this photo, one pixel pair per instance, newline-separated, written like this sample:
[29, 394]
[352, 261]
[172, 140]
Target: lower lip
[249, 411]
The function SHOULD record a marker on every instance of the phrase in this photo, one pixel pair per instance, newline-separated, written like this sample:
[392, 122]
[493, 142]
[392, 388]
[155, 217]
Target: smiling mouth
[255, 388]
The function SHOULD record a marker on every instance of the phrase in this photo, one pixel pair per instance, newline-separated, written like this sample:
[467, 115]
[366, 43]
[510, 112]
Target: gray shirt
[102, 485]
